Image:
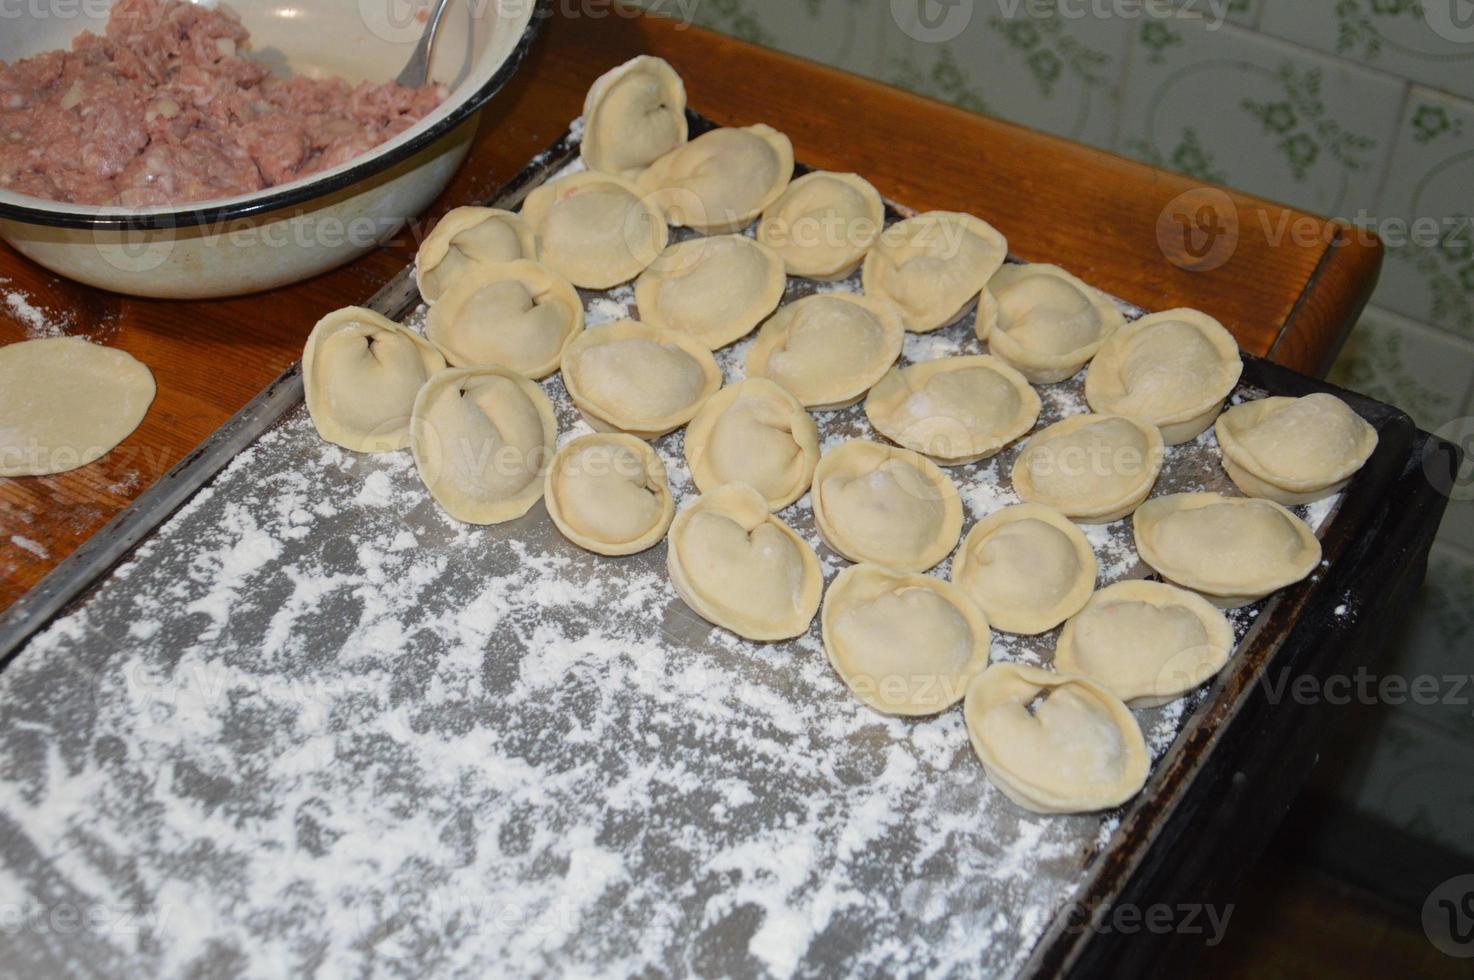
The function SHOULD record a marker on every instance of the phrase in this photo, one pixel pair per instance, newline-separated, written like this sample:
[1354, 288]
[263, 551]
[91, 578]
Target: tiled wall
[1362, 109]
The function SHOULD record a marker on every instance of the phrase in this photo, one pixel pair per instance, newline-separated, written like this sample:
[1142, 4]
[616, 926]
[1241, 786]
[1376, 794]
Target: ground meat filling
[163, 109]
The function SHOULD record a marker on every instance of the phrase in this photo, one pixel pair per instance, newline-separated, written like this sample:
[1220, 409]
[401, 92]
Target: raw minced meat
[163, 109]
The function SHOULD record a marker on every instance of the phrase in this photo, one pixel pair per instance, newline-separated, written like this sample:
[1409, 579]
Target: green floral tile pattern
[1407, 364]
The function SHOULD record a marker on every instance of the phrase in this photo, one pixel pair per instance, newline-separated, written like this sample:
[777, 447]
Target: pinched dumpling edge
[935, 320]
[771, 333]
[1038, 367]
[839, 596]
[1192, 419]
[655, 183]
[606, 421]
[792, 256]
[1101, 511]
[741, 322]
[654, 469]
[699, 430]
[1254, 478]
[741, 502]
[541, 200]
[671, 83]
[1031, 622]
[437, 244]
[1159, 594]
[523, 271]
[891, 391]
[1016, 786]
[508, 508]
[1224, 593]
[875, 454]
[328, 427]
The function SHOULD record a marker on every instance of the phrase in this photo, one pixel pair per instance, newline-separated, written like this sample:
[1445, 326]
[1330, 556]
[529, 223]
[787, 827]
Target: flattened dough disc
[65, 402]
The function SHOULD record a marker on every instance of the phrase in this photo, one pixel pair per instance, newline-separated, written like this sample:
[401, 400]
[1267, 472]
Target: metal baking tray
[284, 715]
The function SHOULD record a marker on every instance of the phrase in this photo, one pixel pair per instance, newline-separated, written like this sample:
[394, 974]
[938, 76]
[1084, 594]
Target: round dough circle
[1092, 468]
[716, 289]
[904, 644]
[890, 506]
[608, 493]
[631, 377]
[953, 410]
[1028, 567]
[65, 402]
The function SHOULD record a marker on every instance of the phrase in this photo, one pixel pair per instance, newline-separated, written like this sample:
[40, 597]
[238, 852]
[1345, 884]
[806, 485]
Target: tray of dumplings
[719, 566]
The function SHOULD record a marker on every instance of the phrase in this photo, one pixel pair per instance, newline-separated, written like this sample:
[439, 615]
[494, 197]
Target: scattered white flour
[34, 547]
[38, 322]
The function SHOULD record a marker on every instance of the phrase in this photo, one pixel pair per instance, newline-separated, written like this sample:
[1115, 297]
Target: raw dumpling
[1146, 642]
[630, 377]
[465, 238]
[823, 224]
[608, 493]
[903, 644]
[633, 115]
[65, 402]
[482, 438]
[1293, 450]
[1078, 749]
[1172, 369]
[953, 410]
[756, 433]
[827, 349]
[516, 314]
[720, 181]
[360, 373]
[1094, 468]
[716, 289]
[886, 505]
[1027, 567]
[741, 568]
[1044, 321]
[1233, 550]
[933, 266]
[594, 229]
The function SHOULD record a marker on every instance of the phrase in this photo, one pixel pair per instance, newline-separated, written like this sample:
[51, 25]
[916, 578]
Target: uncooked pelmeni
[741, 568]
[361, 372]
[1044, 321]
[823, 224]
[827, 349]
[608, 493]
[1027, 566]
[516, 314]
[633, 115]
[631, 377]
[720, 181]
[1173, 369]
[716, 289]
[467, 237]
[886, 505]
[1146, 642]
[953, 410]
[482, 439]
[1293, 450]
[1093, 468]
[594, 229]
[933, 266]
[1054, 743]
[65, 402]
[904, 644]
[1233, 550]
[756, 433]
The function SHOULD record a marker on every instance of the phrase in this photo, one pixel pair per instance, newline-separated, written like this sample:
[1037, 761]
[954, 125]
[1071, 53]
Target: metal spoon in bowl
[416, 74]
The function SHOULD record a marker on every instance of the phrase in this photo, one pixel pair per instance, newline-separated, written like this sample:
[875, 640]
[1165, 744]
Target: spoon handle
[416, 74]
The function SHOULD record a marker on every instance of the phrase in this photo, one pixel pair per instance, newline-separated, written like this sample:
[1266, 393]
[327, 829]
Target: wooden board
[1291, 287]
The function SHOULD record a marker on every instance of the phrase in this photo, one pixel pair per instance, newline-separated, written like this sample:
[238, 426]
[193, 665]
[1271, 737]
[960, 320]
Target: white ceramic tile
[844, 33]
[1426, 214]
[1245, 13]
[1422, 41]
[1234, 107]
[1420, 370]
